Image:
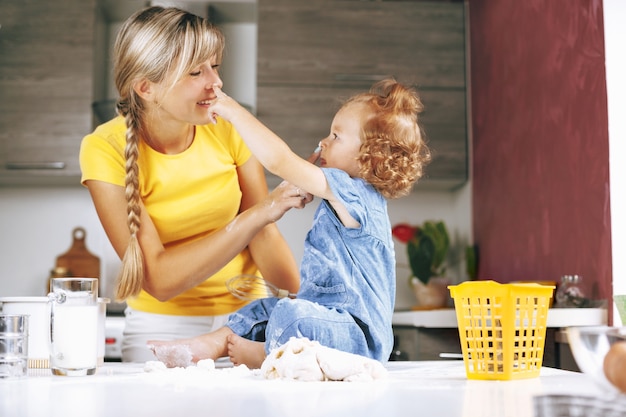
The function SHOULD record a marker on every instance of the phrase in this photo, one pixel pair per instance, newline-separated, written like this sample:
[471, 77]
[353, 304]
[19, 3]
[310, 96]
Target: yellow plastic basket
[502, 328]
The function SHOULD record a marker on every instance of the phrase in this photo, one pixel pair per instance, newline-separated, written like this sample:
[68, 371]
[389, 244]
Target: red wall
[540, 141]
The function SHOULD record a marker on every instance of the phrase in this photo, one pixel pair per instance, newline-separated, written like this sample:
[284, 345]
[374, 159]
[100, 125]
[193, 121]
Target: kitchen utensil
[563, 405]
[251, 287]
[78, 261]
[502, 328]
[13, 345]
[589, 345]
[74, 326]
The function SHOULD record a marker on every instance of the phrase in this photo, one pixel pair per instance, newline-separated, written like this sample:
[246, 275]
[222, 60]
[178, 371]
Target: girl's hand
[222, 105]
[285, 197]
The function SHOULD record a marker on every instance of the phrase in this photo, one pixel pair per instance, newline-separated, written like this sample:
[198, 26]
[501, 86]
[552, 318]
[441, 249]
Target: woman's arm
[268, 248]
[169, 272]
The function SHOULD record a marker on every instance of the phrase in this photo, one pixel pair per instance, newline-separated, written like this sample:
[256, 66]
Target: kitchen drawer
[424, 344]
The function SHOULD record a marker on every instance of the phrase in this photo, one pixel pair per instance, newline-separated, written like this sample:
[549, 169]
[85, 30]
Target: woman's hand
[285, 197]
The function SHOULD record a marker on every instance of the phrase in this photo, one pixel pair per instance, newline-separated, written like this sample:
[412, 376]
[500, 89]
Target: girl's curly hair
[393, 152]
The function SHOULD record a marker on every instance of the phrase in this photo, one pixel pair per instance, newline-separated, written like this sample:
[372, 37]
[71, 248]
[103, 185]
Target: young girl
[181, 199]
[375, 150]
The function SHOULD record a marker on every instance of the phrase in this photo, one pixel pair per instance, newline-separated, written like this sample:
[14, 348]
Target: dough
[305, 360]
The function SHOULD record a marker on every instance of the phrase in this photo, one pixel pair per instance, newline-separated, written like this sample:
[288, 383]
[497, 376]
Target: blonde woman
[183, 202]
[374, 151]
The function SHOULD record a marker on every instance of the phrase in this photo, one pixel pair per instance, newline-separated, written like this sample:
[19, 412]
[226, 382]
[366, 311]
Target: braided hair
[160, 45]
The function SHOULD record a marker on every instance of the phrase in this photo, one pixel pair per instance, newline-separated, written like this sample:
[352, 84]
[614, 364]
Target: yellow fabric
[188, 195]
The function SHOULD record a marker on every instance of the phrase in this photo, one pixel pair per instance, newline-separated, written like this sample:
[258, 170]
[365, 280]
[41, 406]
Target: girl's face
[188, 100]
[341, 148]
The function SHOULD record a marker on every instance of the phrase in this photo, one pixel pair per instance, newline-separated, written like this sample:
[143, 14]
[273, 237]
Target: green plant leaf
[421, 252]
[438, 234]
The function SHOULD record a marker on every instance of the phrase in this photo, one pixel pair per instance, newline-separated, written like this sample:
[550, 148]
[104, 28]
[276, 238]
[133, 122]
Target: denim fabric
[347, 291]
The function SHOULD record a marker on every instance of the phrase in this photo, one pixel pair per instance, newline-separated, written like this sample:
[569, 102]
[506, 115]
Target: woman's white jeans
[141, 327]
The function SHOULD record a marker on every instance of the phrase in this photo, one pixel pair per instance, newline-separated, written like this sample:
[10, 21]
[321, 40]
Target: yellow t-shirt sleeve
[102, 153]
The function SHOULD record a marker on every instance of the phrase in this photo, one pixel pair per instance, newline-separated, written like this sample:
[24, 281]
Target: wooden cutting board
[78, 260]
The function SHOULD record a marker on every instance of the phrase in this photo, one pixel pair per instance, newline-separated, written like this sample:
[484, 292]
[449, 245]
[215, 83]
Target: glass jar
[57, 272]
[569, 293]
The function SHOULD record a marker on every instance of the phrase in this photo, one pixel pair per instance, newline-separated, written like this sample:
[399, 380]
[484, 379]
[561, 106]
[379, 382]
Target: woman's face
[341, 148]
[188, 99]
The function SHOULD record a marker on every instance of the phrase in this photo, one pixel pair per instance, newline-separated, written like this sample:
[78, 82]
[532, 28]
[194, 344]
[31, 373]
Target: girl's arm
[273, 153]
[169, 272]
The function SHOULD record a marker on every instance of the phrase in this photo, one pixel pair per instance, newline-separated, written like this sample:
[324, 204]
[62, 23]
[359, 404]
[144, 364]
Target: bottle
[569, 294]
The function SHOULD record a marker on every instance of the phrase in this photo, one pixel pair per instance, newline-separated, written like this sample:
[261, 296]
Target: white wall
[615, 37]
[36, 226]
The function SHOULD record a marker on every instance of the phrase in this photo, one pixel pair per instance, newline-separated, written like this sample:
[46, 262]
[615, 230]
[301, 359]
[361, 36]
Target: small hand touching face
[222, 105]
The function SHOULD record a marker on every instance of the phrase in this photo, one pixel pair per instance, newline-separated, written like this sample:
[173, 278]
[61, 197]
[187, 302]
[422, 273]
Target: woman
[183, 201]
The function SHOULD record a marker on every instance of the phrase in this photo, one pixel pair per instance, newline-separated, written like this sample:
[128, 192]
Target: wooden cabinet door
[313, 54]
[46, 72]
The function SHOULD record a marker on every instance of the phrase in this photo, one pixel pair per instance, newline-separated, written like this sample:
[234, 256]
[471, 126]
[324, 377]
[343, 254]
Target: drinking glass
[73, 308]
[13, 345]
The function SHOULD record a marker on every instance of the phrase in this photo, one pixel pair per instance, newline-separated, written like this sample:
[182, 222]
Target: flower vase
[433, 295]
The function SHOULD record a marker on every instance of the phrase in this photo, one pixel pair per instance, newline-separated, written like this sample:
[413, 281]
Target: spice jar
[569, 294]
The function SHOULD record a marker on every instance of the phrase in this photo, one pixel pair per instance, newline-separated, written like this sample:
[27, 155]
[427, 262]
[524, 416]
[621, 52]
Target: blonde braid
[130, 279]
[160, 45]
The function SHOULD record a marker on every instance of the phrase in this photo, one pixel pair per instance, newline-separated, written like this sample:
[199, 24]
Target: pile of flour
[299, 359]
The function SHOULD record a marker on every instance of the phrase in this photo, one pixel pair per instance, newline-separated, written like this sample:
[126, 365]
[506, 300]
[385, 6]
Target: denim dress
[348, 280]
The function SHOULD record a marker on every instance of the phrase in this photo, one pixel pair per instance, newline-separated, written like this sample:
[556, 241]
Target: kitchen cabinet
[46, 79]
[424, 344]
[312, 55]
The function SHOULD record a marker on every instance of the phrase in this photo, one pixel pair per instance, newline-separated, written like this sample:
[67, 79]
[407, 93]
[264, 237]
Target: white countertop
[412, 388]
[446, 318]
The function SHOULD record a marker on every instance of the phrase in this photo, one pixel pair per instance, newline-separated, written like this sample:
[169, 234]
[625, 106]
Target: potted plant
[427, 249]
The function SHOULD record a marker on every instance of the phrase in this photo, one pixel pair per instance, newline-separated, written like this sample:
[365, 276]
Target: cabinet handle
[34, 165]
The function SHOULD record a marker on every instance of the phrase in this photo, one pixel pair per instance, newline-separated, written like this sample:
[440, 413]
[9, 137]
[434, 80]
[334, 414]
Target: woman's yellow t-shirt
[188, 196]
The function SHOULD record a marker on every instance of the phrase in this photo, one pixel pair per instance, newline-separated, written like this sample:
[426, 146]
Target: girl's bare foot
[245, 352]
[185, 352]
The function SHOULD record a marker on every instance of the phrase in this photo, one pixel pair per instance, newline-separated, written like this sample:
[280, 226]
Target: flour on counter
[299, 359]
[305, 360]
[204, 374]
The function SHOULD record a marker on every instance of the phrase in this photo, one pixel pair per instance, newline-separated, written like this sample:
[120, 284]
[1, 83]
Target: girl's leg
[184, 352]
[141, 327]
[245, 352]
[330, 327]
[248, 322]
